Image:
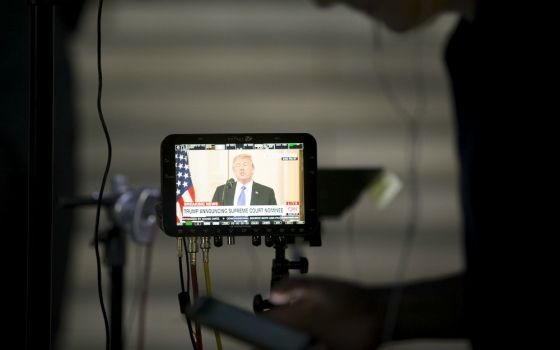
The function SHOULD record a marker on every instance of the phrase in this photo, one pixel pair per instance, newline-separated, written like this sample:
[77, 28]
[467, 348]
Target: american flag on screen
[183, 181]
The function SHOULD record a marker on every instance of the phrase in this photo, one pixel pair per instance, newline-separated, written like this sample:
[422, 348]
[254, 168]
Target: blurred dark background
[201, 66]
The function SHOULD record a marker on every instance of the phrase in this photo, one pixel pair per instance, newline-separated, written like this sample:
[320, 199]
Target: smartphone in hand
[257, 330]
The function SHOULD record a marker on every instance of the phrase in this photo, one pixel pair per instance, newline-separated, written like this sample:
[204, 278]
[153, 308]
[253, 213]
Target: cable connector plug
[205, 247]
[192, 249]
[180, 247]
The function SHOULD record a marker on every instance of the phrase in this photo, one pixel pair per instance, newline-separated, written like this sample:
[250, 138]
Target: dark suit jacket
[262, 195]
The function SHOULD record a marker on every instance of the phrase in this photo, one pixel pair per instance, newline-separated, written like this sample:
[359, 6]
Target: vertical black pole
[116, 256]
[40, 196]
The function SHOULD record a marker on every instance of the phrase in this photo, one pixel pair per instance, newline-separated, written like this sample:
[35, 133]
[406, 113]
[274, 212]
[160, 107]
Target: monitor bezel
[168, 189]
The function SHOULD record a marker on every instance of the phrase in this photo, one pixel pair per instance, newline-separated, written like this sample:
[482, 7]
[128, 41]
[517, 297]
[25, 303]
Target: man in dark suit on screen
[245, 191]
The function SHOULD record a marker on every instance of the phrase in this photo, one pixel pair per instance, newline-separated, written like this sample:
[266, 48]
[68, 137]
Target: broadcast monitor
[239, 184]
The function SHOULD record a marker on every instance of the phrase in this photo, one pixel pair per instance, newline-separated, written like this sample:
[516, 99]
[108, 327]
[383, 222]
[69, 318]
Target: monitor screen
[233, 184]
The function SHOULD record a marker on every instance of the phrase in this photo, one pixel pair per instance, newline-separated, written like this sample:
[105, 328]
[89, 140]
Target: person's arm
[403, 15]
[347, 316]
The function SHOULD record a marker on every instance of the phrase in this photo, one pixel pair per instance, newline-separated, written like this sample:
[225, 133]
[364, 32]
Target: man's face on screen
[243, 169]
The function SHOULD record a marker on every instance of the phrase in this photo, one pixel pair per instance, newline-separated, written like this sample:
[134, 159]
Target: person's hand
[339, 315]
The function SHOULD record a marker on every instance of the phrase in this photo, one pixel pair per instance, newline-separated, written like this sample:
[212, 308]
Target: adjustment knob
[268, 240]
[218, 241]
[260, 304]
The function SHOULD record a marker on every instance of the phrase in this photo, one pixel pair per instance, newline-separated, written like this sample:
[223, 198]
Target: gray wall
[264, 66]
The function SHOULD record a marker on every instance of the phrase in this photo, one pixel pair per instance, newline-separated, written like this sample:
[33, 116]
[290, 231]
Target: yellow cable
[209, 293]
[207, 279]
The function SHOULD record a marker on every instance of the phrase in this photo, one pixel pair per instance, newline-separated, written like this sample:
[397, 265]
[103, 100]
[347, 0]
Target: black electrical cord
[181, 274]
[105, 174]
[189, 324]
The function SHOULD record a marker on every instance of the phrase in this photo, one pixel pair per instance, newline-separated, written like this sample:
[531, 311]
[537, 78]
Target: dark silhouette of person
[492, 303]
